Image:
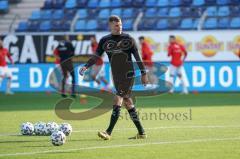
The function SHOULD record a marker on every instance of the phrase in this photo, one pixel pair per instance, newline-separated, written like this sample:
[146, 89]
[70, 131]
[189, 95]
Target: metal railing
[11, 28]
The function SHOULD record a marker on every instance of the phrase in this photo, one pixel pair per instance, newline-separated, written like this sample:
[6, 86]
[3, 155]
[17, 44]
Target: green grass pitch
[205, 126]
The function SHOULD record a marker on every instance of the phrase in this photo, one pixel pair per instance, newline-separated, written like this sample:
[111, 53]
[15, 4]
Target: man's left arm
[140, 64]
[9, 57]
[184, 52]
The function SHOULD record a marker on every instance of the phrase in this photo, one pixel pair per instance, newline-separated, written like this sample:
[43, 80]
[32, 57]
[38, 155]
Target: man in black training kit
[64, 53]
[120, 47]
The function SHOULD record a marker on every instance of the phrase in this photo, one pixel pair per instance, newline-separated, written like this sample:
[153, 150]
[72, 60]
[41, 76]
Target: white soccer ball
[50, 127]
[66, 128]
[39, 128]
[27, 128]
[58, 138]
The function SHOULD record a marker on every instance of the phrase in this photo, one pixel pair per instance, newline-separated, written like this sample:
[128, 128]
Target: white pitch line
[124, 145]
[153, 128]
[168, 127]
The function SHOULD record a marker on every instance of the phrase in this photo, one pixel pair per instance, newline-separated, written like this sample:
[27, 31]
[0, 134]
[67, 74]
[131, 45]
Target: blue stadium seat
[116, 3]
[137, 3]
[235, 23]
[128, 24]
[82, 3]
[36, 15]
[162, 12]
[57, 25]
[4, 6]
[58, 4]
[212, 11]
[187, 12]
[93, 3]
[162, 24]
[210, 23]
[33, 26]
[104, 3]
[128, 13]
[80, 25]
[70, 4]
[58, 14]
[175, 2]
[150, 3]
[162, 3]
[186, 2]
[91, 25]
[223, 11]
[148, 24]
[22, 27]
[127, 3]
[150, 12]
[186, 23]
[234, 2]
[175, 12]
[117, 11]
[235, 10]
[69, 14]
[174, 23]
[82, 13]
[66, 26]
[46, 14]
[102, 25]
[104, 13]
[198, 2]
[223, 2]
[191, 12]
[92, 13]
[223, 23]
[210, 2]
[196, 23]
[47, 4]
[45, 26]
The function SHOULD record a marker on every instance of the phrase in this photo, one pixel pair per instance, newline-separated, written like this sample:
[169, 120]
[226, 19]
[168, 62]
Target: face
[141, 41]
[172, 40]
[93, 39]
[115, 27]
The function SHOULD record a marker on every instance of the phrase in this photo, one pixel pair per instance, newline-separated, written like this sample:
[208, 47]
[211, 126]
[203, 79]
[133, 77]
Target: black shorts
[67, 67]
[124, 87]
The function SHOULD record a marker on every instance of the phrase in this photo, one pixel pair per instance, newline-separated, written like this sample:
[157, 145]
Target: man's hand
[82, 70]
[144, 79]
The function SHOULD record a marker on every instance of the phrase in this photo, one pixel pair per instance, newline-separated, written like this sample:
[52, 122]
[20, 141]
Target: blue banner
[199, 76]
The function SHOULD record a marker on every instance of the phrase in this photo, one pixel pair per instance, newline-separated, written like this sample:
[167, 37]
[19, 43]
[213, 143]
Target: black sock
[134, 116]
[114, 117]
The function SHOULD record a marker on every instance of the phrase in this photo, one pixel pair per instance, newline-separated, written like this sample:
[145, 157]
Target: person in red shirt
[147, 54]
[178, 54]
[97, 72]
[4, 71]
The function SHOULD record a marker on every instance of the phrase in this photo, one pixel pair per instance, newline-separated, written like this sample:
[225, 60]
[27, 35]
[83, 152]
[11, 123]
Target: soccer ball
[66, 129]
[27, 128]
[50, 128]
[58, 138]
[39, 128]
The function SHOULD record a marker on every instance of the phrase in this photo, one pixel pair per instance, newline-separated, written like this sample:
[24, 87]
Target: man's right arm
[94, 58]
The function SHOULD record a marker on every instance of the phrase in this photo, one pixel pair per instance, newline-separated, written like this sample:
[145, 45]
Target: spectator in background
[4, 71]
[178, 54]
[64, 53]
[147, 54]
